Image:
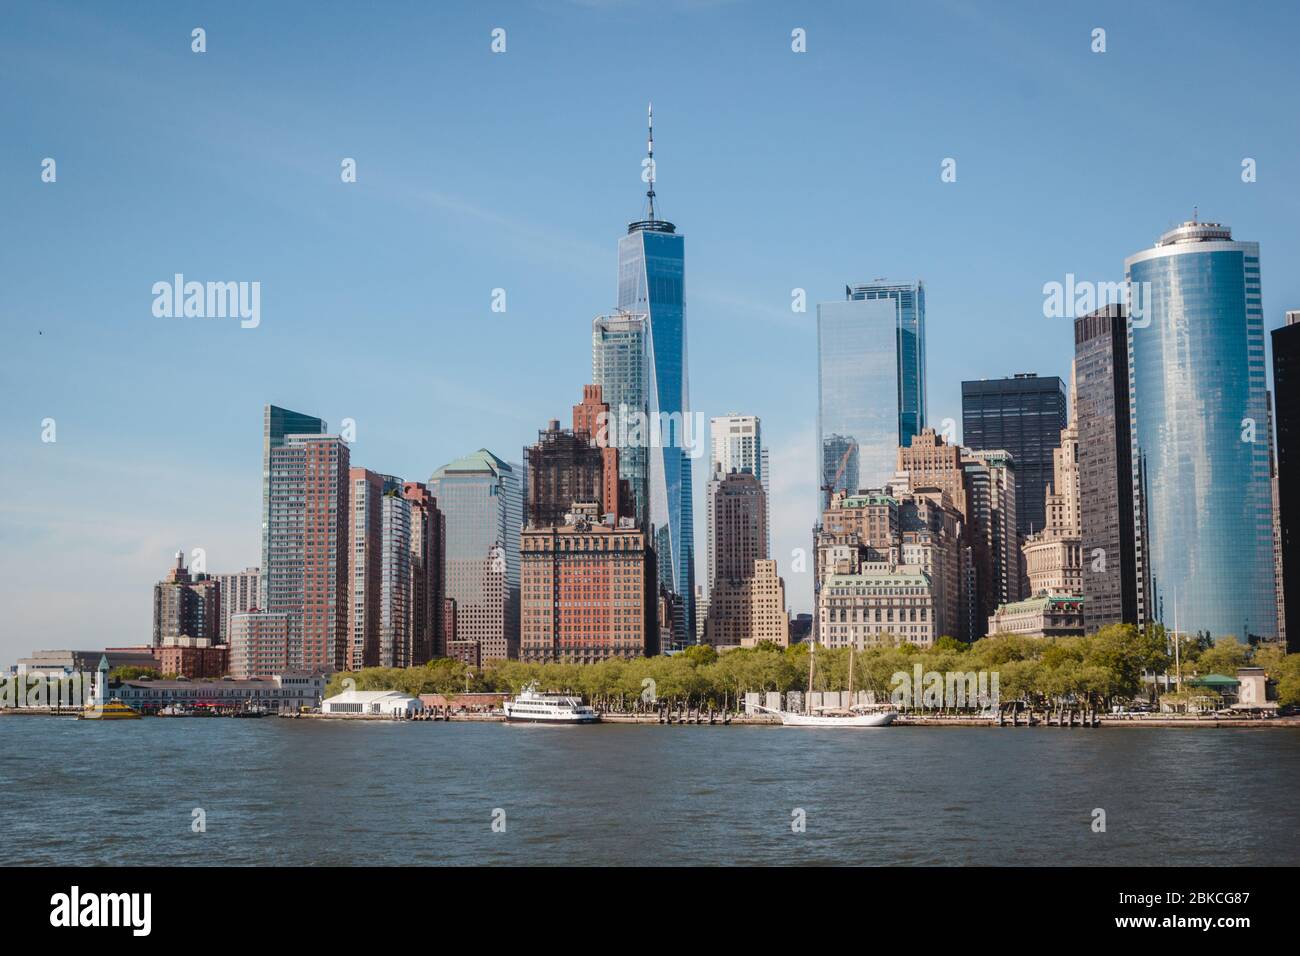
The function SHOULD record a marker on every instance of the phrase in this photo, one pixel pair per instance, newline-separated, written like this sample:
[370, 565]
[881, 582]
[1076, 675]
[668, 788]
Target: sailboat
[830, 716]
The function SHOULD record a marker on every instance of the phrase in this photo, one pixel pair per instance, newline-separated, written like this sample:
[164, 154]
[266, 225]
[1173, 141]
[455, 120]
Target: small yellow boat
[113, 710]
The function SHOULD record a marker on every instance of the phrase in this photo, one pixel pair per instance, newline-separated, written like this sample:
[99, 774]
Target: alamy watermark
[633, 428]
[947, 689]
[208, 300]
[1074, 298]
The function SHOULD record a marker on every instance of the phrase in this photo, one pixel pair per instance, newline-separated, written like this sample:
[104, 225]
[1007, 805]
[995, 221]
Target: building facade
[481, 502]
[306, 542]
[1101, 411]
[1024, 416]
[239, 593]
[747, 611]
[1053, 557]
[736, 444]
[619, 365]
[1044, 615]
[186, 605]
[652, 281]
[1286, 399]
[259, 643]
[1198, 407]
[879, 606]
[870, 382]
[428, 544]
[588, 591]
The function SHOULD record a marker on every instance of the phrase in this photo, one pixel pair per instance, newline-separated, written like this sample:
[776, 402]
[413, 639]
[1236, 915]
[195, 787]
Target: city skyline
[154, 413]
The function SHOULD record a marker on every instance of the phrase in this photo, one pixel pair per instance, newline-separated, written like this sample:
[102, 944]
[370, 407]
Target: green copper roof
[480, 461]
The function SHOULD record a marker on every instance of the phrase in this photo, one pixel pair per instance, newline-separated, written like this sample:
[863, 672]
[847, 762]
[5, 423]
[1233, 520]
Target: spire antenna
[650, 150]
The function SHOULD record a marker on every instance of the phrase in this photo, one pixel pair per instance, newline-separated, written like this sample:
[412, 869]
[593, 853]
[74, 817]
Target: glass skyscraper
[651, 280]
[618, 366]
[870, 383]
[1199, 412]
[1023, 415]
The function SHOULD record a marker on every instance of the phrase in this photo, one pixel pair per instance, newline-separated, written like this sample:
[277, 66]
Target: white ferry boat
[538, 708]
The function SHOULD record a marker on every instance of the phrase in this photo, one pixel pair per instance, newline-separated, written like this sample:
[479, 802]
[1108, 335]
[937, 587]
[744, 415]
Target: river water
[307, 792]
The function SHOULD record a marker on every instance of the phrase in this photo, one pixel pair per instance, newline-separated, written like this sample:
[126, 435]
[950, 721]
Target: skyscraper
[870, 383]
[740, 525]
[1023, 416]
[1105, 468]
[619, 367]
[396, 645]
[305, 564]
[276, 424]
[1052, 557]
[481, 502]
[428, 541]
[365, 533]
[1286, 399]
[1199, 413]
[651, 280]
[736, 444]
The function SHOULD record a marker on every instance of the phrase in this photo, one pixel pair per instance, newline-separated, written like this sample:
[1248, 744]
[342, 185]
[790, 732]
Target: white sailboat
[831, 716]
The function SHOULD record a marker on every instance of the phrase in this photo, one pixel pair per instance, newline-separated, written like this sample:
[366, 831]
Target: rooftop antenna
[650, 150]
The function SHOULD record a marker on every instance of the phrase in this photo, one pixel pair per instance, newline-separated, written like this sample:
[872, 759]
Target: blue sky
[519, 171]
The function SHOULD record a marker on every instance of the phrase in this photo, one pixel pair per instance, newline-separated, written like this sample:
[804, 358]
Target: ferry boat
[537, 708]
[113, 710]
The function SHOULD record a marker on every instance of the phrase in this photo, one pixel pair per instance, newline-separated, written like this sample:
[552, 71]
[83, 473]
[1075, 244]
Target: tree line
[1095, 671]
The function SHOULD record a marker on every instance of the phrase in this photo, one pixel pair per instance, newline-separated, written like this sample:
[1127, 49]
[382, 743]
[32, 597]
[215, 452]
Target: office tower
[481, 502]
[1105, 468]
[739, 529]
[744, 612]
[1052, 557]
[1023, 416]
[396, 644]
[651, 280]
[587, 590]
[238, 594]
[185, 605]
[277, 423]
[1286, 427]
[365, 489]
[991, 490]
[305, 566]
[1198, 408]
[870, 383]
[619, 365]
[259, 644]
[930, 466]
[427, 598]
[736, 444]
[739, 536]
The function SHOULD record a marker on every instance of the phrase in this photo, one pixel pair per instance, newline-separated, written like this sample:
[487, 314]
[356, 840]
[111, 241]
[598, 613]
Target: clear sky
[519, 171]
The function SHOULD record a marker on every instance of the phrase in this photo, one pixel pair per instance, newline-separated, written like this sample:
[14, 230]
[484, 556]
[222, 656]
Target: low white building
[371, 703]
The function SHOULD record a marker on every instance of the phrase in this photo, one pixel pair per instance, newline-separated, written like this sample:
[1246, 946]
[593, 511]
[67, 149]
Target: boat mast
[852, 646]
[812, 656]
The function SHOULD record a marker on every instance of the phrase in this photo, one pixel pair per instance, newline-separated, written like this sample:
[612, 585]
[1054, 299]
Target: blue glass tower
[651, 280]
[870, 383]
[1199, 411]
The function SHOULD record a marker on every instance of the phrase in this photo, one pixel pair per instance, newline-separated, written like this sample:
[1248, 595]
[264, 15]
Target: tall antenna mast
[650, 150]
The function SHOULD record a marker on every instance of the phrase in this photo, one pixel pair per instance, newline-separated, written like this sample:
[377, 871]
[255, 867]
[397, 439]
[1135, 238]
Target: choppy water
[330, 792]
